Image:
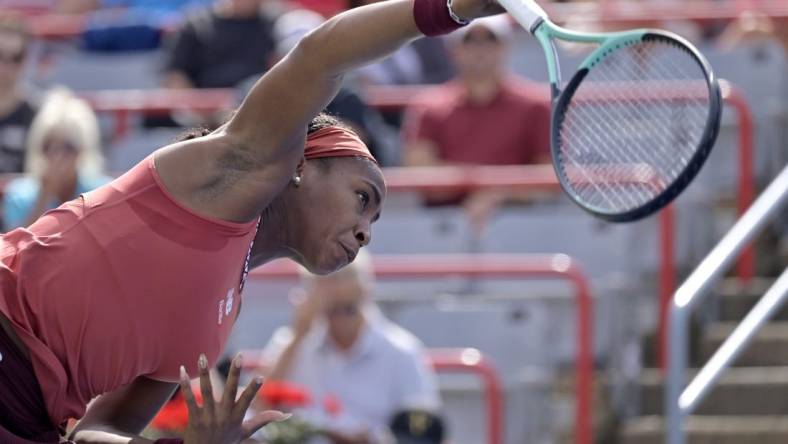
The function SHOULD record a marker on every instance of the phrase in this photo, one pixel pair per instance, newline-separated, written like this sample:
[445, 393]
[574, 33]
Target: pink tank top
[119, 283]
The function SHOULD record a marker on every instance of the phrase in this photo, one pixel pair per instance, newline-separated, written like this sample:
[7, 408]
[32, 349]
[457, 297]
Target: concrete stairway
[750, 402]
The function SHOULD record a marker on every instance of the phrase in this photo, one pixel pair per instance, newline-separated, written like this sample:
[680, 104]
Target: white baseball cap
[499, 25]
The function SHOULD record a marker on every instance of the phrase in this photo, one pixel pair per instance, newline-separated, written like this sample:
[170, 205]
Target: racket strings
[633, 125]
[633, 155]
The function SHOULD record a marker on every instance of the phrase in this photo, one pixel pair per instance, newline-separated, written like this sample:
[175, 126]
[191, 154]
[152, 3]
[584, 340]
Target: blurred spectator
[484, 117]
[225, 46]
[423, 61]
[749, 27]
[127, 25]
[16, 110]
[381, 138]
[64, 160]
[156, 6]
[341, 345]
[221, 46]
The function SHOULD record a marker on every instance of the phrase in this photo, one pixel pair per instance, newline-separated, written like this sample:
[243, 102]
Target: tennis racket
[634, 125]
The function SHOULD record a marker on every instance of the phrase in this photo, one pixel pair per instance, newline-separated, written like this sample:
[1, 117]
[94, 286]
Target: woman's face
[330, 215]
[60, 153]
[480, 54]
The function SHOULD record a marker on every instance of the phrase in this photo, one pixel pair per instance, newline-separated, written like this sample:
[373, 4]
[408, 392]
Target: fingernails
[285, 417]
[202, 362]
[238, 360]
[258, 380]
[184, 376]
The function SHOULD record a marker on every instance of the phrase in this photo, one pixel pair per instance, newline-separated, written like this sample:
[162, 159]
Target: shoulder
[25, 110]
[198, 20]
[29, 107]
[397, 340]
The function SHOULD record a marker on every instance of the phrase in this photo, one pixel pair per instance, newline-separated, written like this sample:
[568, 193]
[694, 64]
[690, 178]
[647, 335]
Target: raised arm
[275, 114]
[260, 147]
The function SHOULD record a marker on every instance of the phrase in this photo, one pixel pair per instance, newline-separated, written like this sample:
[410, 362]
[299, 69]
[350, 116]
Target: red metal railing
[557, 266]
[464, 360]
[122, 103]
[746, 193]
[470, 360]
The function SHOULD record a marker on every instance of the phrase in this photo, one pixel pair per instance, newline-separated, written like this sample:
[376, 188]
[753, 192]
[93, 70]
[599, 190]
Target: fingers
[186, 391]
[253, 425]
[205, 385]
[247, 397]
[231, 388]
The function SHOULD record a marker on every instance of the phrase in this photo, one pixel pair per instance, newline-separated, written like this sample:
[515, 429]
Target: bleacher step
[768, 348]
[744, 391]
[736, 299]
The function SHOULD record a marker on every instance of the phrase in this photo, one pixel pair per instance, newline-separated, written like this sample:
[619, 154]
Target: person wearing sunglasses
[341, 346]
[63, 160]
[16, 108]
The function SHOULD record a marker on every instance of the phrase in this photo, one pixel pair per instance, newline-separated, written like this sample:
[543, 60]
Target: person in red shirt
[486, 116]
[112, 298]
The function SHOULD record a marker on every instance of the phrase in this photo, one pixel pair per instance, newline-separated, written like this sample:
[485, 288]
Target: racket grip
[526, 12]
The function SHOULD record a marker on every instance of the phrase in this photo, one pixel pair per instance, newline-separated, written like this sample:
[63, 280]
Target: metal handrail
[681, 404]
[733, 97]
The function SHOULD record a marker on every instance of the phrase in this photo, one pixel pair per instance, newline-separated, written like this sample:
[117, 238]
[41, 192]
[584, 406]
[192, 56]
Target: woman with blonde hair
[63, 161]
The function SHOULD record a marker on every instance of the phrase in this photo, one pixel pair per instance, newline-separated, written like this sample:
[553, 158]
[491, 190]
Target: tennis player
[111, 299]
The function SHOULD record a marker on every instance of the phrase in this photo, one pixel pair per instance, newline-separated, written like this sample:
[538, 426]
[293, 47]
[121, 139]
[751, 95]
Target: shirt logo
[225, 306]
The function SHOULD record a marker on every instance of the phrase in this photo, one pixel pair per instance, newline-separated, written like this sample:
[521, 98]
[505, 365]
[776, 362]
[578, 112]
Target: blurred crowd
[473, 114]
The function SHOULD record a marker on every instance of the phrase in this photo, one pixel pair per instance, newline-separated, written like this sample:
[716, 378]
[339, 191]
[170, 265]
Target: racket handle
[526, 12]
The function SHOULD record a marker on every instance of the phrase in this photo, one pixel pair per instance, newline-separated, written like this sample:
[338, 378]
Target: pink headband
[334, 141]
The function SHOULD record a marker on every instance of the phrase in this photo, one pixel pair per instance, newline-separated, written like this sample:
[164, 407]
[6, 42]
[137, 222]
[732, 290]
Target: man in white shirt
[341, 346]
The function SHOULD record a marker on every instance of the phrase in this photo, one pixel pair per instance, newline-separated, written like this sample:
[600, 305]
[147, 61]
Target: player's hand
[222, 422]
[471, 9]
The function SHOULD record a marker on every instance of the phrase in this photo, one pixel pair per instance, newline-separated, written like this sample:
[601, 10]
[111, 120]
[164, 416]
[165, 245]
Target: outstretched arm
[258, 150]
